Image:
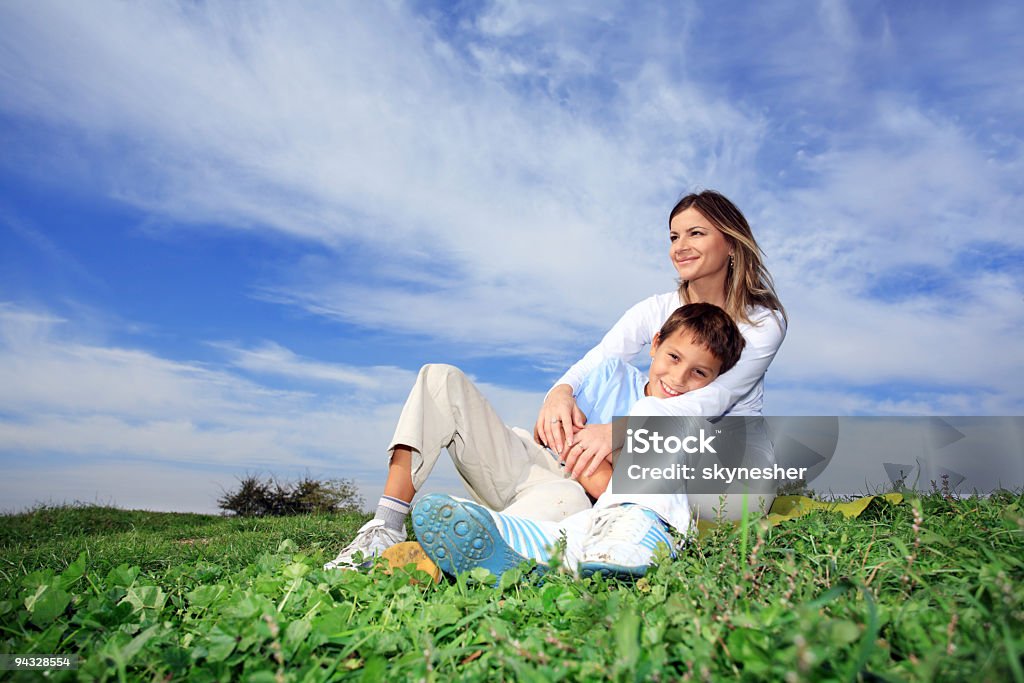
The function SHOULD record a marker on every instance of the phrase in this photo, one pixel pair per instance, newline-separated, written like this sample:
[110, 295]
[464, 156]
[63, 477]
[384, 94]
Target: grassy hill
[927, 590]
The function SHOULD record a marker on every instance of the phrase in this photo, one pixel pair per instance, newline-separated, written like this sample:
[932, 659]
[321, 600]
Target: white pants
[502, 467]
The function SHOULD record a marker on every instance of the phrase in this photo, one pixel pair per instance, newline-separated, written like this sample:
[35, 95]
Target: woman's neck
[706, 290]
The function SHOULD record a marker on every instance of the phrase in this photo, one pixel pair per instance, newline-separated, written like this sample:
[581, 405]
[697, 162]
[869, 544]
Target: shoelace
[618, 525]
[366, 538]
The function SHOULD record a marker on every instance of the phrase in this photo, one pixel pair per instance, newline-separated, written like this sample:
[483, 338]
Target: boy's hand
[597, 483]
[559, 417]
[590, 447]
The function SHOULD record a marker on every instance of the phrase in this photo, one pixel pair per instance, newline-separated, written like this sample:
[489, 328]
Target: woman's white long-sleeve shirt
[740, 391]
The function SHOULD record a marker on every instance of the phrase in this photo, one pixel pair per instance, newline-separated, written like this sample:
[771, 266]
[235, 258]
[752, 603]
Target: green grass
[52, 537]
[160, 596]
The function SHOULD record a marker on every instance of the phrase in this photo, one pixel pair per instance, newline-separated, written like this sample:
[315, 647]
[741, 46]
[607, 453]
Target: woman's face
[698, 249]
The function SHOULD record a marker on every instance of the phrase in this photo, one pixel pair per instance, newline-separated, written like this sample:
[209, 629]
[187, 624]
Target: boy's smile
[669, 391]
[679, 365]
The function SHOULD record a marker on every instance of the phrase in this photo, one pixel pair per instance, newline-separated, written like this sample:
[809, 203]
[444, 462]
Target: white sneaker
[372, 539]
[621, 541]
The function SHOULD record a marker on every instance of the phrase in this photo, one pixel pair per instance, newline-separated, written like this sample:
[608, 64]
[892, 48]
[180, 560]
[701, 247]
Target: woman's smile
[684, 261]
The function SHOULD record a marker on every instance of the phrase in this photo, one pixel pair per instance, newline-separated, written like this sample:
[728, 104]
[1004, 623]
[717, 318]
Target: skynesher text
[718, 473]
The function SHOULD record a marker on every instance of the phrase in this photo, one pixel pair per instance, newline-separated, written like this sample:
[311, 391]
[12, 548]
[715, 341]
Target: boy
[503, 468]
[696, 344]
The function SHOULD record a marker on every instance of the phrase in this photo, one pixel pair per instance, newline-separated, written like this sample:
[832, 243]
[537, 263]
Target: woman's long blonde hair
[748, 282]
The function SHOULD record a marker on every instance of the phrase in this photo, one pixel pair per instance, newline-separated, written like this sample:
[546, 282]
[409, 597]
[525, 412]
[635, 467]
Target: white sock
[393, 511]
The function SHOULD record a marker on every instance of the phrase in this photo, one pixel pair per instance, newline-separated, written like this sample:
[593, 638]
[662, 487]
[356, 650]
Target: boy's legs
[459, 535]
[399, 482]
[501, 467]
[627, 527]
[625, 541]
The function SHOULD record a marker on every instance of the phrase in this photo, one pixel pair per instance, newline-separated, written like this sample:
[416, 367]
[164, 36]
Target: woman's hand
[590, 447]
[559, 418]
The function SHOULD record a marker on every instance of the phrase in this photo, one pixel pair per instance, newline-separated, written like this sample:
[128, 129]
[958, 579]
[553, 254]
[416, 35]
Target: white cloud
[514, 18]
[506, 187]
[130, 414]
[312, 123]
[953, 351]
[274, 359]
[913, 187]
[67, 377]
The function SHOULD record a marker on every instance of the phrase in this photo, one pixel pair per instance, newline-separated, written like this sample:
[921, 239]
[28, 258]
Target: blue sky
[231, 233]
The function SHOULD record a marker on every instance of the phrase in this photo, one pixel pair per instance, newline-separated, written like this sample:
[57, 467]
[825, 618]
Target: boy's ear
[654, 343]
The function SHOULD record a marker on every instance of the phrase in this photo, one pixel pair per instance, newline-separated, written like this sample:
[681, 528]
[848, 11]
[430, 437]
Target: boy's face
[680, 365]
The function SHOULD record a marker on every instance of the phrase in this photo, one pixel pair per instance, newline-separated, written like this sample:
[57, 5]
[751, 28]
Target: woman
[718, 261]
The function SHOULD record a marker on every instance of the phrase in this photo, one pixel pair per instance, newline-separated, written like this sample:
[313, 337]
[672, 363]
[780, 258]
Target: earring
[732, 261]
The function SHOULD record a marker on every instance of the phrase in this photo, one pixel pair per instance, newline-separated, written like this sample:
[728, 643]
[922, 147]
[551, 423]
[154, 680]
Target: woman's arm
[627, 337]
[559, 417]
[717, 398]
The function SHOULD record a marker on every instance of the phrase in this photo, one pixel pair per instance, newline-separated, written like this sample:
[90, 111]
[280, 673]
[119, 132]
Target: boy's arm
[595, 484]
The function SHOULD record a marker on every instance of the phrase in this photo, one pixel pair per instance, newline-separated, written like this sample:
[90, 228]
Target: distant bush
[794, 487]
[256, 497]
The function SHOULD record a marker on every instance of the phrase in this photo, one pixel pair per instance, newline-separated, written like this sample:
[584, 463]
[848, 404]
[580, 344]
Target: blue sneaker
[459, 535]
[621, 542]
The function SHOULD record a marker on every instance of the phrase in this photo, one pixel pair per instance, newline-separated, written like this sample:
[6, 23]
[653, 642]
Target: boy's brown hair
[711, 327]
